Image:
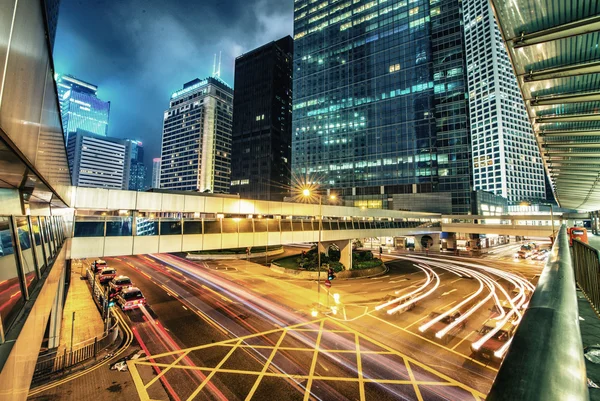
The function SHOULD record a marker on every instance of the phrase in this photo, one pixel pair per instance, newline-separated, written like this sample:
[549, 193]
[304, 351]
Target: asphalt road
[356, 353]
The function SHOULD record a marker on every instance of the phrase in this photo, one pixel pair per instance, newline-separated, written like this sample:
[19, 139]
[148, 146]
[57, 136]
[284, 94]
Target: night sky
[140, 51]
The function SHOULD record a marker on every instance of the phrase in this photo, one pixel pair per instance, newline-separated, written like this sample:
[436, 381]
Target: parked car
[445, 322]
[118, 283]
[491, 349]
[106, 275]
[130, 298]
[97, 265]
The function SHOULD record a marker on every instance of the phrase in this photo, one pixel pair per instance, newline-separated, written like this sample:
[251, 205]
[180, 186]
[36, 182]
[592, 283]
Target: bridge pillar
[427, 241]
[345, 247]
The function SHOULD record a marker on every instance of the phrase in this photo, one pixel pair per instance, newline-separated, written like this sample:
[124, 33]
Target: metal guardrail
[55, 363]
[545, 361]
[586, 260]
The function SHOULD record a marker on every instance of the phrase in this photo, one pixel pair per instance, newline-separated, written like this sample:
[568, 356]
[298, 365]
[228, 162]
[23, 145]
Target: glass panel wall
[260, 226]
[89, 229]
[146, 226]
[170, 227]
[245, 226]
[37, 236]
[192, 227]
[11, 297]
[27, 253]
[119, 227]
[46, 235]
[212, 227]
[230, 226]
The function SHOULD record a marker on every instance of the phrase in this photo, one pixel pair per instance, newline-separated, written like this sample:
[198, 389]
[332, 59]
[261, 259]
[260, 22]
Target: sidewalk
[88, 322]
[589, 324]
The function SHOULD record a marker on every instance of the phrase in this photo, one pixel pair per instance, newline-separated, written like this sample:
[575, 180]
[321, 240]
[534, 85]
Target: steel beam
[567, 98]
[575, 28]
[569, 163]
[563, 144]
[568, 154]
[551, 133]
[567, 118]
[561, 72]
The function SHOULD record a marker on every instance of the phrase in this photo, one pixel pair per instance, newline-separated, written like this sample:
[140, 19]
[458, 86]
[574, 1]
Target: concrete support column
[345, 253]
[56, 313]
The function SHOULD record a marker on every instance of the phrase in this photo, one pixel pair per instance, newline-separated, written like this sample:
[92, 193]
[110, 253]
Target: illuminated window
[394, 68]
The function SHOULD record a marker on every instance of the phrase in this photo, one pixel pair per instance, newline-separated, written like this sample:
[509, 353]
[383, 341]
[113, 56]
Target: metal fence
[586, 261]
[57, 362]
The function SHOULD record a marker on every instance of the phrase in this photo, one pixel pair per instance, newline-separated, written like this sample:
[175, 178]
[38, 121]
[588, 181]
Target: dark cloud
[139, 51]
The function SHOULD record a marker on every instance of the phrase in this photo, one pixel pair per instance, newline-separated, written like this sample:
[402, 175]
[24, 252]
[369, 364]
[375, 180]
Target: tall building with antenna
[196, 141]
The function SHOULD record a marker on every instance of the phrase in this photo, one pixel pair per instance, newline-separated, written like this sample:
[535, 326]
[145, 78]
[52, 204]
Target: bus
[579, 233]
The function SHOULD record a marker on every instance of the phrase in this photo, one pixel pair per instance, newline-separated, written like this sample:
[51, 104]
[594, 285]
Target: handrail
[545, 361]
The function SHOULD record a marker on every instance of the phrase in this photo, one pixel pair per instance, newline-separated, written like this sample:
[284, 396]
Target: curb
[284, 273]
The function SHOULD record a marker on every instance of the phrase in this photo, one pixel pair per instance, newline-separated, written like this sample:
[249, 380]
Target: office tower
[262, 122]
[134, 176]
[51, 8]
[196, 142]
[97, 161]
[80, 108]
[506, 159]
[380, 112]
[156, 172]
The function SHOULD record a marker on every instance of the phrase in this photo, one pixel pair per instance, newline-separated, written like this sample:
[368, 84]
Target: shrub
[367, 264]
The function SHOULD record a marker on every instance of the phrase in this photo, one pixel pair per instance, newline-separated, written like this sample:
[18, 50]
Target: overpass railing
[586, 260]
[545, 360]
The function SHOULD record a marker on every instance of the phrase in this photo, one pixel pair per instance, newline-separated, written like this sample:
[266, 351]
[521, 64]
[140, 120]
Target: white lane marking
[184, 307]
[452, 282]
[449, 292]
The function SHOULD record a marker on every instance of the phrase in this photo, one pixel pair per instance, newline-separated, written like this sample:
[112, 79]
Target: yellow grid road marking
[361, 383]
[207, 378]
[314, 362]
[284, 332]
[266, 365]
[412, 379]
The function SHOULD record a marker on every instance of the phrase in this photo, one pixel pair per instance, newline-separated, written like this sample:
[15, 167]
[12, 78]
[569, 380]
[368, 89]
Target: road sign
[327, 283]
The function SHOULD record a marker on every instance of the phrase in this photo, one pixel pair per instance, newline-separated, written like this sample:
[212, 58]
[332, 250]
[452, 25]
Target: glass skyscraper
[196, 142]
[262, 122]
[380, 108]
[506, 158]
[80, 108]
[134, 175]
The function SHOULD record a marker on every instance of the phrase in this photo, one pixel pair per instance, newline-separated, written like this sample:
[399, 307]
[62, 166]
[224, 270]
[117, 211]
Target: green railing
[545, 361]
[586, 261]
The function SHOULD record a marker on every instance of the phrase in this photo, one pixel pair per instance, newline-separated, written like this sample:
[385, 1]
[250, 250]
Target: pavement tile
[88, 322]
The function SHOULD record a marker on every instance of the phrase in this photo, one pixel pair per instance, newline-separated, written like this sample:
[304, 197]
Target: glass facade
[379, 99]
[80, 108]
[28, 244]
[196, 142]
[262, 122]
[135, 170]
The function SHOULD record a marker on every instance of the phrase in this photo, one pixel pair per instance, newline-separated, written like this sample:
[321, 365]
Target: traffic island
[303, 266]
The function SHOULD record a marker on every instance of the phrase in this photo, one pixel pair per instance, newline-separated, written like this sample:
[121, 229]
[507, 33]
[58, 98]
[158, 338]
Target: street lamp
[308, 194]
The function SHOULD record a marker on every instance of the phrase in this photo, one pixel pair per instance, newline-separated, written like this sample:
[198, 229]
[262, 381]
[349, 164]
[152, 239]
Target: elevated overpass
[115, 223]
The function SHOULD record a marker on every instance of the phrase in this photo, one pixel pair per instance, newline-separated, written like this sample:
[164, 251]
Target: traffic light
[330, 275]
[111, 303]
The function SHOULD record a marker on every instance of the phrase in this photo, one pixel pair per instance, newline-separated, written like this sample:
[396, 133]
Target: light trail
[428, 280]
[275, 313]
[419, 297]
